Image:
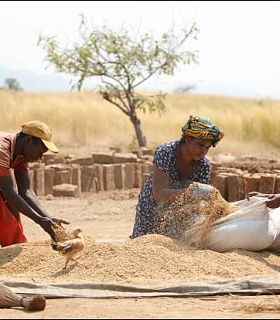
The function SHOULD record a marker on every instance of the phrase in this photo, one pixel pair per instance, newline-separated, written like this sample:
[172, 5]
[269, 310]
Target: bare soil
[109, 218]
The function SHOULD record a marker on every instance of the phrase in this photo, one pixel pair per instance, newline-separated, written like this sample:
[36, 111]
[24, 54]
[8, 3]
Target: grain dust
[190, 210]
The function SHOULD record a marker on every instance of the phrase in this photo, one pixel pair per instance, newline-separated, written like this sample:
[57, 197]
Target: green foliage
[122, 63]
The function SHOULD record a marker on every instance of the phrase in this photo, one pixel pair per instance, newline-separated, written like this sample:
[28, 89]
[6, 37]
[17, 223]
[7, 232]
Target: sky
[238, 43]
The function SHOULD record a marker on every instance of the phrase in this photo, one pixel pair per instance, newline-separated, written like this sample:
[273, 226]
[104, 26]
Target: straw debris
[267, 305]
[192, 209]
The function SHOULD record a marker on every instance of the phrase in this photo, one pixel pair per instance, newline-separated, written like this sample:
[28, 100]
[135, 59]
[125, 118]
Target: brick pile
[236, 178]
[101, 171]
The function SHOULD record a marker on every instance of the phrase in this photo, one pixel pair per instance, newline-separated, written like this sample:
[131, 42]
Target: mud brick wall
[68, 176]
[113, 170]
[235, 180]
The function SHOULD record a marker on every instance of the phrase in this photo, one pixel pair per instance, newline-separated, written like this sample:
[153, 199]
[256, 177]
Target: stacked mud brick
[69, 176]
[235, 179]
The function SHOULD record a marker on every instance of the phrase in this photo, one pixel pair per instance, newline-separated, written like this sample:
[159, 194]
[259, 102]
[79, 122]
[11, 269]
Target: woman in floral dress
[176, 164]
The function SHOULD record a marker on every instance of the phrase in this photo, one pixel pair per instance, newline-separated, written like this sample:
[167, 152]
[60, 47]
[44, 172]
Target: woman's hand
[60, 221]
[257, 194]
[46, 224]
[49, 223]
[273, 201]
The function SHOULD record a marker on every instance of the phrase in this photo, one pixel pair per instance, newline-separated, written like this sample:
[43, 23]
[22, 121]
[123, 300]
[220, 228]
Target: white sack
[249, 228]
[275, 220]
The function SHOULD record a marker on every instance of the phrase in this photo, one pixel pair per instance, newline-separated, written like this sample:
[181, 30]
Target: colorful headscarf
[200, 128]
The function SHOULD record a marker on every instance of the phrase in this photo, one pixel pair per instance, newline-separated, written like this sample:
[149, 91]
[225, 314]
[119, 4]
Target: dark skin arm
[273, 200]
[16, 203]
[28, 194]
[161, 190]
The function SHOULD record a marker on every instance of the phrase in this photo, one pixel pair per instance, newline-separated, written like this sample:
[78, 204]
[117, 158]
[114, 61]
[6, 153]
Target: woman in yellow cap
[175, 165]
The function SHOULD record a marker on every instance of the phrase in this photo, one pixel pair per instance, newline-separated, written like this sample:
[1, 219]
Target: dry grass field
[83, 121]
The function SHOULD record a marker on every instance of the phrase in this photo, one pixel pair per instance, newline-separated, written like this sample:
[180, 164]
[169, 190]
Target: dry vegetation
[84, 120]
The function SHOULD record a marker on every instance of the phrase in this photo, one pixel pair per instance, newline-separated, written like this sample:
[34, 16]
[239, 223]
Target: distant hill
[31, 81]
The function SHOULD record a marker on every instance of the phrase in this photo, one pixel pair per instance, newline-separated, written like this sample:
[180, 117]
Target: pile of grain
[147, 260]
[188, 211]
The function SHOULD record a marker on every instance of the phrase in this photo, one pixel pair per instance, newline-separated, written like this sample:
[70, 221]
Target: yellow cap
[40, 130]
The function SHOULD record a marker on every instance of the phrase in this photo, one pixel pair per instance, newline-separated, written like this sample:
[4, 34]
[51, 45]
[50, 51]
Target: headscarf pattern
[200, 128]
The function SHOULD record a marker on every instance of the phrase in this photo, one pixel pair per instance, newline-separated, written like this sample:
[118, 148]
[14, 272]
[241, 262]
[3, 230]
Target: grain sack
[249, 228]
[275, 221]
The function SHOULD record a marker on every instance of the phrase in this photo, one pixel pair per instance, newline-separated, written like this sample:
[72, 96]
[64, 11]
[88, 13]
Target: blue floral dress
[166, 161]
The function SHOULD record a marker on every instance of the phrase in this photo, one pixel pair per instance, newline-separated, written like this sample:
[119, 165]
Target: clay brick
[59, 160]
[277, 185]
[103, 157]
[61, 177]
[220, 183]
[252, 183]
[65, 190]
[109, 177]
[138, 152]
[124, 158]
[87, 174]
[99, 175]
[76, 177]
[215, 165]
[86, 161]
[236, 188]
[49, 180]
[128, 170]
[31, 179]
[119, 176]
[146, 167]
[48, 158]
[267, 183]
[147, 151]
[137, 175]
[39, 182]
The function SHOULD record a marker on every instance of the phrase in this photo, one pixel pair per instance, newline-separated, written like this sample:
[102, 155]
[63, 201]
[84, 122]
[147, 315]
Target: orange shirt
[7, 160]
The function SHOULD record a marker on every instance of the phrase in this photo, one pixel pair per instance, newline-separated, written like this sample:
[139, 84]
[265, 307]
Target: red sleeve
[20, 165]
[23, 167]
[4, 171]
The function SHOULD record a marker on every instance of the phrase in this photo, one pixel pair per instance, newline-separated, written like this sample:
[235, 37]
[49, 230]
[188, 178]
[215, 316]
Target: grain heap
[147, 260]
[192, 209]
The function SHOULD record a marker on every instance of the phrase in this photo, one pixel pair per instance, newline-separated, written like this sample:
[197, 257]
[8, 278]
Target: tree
[122, 64]
[186, 88]
[12, 84]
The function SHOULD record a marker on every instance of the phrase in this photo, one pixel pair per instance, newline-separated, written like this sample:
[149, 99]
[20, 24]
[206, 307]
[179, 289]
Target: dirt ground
[109, 217]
